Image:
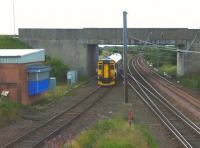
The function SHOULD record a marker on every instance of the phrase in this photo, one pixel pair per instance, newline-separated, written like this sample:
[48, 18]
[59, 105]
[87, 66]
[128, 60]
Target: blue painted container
[38, 79]
[37, 87]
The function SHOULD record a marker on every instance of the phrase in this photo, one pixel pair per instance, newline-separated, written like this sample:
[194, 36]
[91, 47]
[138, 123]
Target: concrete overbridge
[78, 47]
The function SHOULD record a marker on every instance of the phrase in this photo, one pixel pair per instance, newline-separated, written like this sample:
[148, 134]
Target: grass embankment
[8, 110]
[114, 133]
[168, 69]
[7, 42]
[190, 81]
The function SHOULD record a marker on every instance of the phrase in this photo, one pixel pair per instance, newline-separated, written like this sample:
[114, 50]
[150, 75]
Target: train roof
[116, 57]
[106, 59]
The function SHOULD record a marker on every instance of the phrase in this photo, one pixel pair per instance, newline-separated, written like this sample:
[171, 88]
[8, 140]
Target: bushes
[169, 69]
[8, 110]
[58, 68]
[190, 81]
[160, 55]
[115, 133]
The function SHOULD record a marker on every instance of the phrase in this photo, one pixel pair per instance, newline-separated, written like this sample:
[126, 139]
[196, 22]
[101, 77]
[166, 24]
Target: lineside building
[22, 74]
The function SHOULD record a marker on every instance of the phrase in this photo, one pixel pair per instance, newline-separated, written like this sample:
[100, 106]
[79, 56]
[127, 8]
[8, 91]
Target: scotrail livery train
[108, 69]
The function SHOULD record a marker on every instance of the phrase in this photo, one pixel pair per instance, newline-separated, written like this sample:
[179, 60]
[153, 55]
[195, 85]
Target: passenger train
[109, 69]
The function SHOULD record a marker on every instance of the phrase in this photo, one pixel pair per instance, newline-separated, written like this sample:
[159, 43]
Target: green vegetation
[163, 59]
[166, 62]
[108, 50]
[134, 50]
[8, 110]
[111, 49]
[190, 81]
[159, 56]
[7, 42]
[168, 69]
[58, 68]
[114, 133]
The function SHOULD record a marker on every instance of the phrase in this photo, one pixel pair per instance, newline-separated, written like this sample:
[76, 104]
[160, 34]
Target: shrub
[169, 69]
[58, 68]
[191, 81]
[8, 110]
[115, 133]
[160, 55]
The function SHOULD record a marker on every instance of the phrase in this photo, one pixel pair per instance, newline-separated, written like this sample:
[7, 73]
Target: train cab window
[100, 67]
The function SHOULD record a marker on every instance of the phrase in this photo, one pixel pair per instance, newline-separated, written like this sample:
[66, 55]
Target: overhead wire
[167, 48]
[193, 40]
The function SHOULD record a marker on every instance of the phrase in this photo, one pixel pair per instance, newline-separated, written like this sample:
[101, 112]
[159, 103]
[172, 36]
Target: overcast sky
[98, 13]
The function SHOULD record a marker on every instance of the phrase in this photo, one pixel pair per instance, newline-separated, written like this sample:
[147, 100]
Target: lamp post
[125, 56]
[14, 16]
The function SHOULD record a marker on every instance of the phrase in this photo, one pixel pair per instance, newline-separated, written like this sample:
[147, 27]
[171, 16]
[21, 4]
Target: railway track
[36, 137]
[187, 132]
[169, 85]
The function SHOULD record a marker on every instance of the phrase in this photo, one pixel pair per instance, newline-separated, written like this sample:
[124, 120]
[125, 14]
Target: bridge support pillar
[180, 64]
[92, 56]
[182, 58]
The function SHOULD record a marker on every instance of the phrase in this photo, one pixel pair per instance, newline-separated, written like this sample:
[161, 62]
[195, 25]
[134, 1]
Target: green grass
[7, 42]
[169, 69]
[190, 81]
[114, 133]
[8, 110]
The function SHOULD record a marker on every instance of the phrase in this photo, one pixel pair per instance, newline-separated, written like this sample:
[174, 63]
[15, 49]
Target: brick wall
[13, 77]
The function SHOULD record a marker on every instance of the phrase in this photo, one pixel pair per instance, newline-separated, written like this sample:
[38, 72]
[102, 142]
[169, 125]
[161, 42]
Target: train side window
[100, 67]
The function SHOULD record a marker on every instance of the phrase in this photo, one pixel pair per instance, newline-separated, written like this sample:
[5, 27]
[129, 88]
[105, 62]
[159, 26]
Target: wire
[167, 48]
[14, 16]
[147, 40]
[193, 39]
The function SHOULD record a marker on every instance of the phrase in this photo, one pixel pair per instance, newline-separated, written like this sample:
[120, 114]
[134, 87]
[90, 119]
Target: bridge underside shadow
[92, 56]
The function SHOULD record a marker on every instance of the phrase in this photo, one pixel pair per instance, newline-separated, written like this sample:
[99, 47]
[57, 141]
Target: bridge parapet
[109, 33]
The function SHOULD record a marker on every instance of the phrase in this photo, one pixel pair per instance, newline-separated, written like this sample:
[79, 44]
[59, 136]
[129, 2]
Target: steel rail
[170, 125]
[161, 116]
[50, 120]
[70, 121]
[158, 115]
[194, 102]
[169, 106]
[175, 110]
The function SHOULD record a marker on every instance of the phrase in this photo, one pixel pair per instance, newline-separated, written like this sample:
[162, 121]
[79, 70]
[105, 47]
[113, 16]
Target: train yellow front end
[106, 72]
